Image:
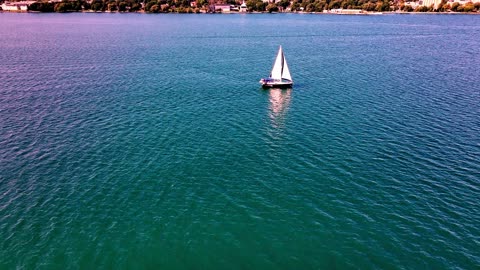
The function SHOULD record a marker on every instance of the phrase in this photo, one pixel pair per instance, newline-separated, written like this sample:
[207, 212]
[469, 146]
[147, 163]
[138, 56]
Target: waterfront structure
[344, 11]
[436, 3]
[428, 3]
[413, 4]
[461, 2]
[222, 8]
[243, 7]
[16, 6]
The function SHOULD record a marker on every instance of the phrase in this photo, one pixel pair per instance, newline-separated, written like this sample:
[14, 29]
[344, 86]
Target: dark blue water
[144, 141]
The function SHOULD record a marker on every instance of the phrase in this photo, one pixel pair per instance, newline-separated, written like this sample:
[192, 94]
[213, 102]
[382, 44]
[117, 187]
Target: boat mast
[283, 61]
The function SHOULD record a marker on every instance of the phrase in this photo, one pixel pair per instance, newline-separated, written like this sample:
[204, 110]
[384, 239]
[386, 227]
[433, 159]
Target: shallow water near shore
[145, 141]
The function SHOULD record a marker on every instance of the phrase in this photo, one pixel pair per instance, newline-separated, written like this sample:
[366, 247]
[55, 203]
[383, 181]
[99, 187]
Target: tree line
[80, 5]
[184, 6]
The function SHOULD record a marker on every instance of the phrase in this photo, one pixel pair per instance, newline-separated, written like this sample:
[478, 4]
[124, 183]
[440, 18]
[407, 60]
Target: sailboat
[280, 76]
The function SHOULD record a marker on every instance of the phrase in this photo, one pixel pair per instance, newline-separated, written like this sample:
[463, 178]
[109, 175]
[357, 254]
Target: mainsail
[277, 66]
[280, 68]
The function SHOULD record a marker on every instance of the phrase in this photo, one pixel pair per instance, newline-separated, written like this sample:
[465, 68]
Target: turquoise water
[144, 141]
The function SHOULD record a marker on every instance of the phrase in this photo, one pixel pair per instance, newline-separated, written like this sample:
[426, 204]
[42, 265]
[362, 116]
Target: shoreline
[252, 7]
[367, 13]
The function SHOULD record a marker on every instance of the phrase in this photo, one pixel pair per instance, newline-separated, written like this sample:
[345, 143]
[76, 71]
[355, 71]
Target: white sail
[280, 76]
[286, 71]
[278, 66]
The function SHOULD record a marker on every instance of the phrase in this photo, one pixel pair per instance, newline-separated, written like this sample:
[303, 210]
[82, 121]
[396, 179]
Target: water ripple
[159, 149]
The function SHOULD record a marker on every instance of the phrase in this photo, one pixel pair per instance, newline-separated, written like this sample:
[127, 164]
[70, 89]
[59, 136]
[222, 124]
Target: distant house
[427, 3]
[346, 11]
[16, 6]
[243, 7]
[413, 4]
[436, 3]
[222, 8]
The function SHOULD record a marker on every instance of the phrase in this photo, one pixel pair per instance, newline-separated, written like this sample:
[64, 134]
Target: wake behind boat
[280, 75]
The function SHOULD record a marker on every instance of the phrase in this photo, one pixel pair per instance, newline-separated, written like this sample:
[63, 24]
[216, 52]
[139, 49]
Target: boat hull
[276, 84]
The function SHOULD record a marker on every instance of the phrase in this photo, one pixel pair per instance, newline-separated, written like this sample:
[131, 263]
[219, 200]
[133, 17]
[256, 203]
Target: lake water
[144, 141]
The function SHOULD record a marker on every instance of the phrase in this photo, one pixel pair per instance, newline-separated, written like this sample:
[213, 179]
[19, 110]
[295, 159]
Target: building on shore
[16, 6]
[243, 7]
[344, 11]
[428, 3]
[461, 2]
[222, 8]
[414, 5]
[436, 3]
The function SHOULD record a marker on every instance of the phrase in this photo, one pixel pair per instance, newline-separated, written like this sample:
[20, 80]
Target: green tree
[284, 4]
[135, 7]
[97, 6]
[251, 5]
[260, 5]
[368, 6]
[386, 5]
[122, 7]
[455, 6]
[408, 8]
[335, 4]
[320, 5]
[445, 7]
[42, 7]
[294, 6]
[421, 9]
[34, 6]
[477, 6]
[149, 5]
[272, 7]
[469, 7]
[442, 3]
[256, 5]
[154, 8]
[112, 6]
[61, 7]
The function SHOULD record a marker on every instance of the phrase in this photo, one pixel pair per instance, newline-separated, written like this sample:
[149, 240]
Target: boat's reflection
[279, 100]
